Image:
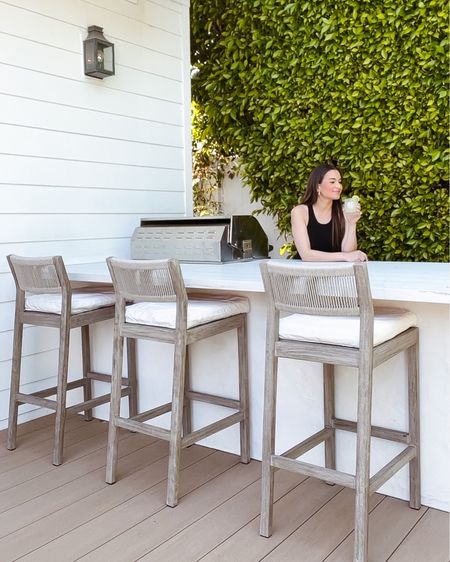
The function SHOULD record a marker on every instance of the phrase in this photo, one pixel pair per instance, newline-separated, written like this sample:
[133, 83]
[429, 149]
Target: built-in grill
[200, 239]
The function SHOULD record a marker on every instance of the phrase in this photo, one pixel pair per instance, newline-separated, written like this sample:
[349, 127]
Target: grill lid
[200, 239]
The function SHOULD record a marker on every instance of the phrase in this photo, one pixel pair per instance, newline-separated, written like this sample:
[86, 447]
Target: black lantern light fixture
[98, 54]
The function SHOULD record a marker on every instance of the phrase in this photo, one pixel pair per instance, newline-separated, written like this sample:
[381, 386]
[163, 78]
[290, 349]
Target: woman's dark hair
[337, 215]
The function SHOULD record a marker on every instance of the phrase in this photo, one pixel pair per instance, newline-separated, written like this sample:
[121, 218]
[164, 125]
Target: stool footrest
[327, 474]
[105, 378]
[376, 431]
[391, 468]
[35, 400]
[93, 402]
[153, 413]
[52, 390]
[307, 444]
[99, 377]
[213, 399]
[38, 398]
[211, 428]
[140, 427]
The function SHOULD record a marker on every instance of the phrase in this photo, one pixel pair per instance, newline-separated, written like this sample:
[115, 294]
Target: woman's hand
[356, 255]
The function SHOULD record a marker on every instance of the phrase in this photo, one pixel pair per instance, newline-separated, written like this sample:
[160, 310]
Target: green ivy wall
[286, 85]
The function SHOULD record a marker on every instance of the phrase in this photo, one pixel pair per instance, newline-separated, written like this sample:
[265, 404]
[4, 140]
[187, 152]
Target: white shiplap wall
[81, 159]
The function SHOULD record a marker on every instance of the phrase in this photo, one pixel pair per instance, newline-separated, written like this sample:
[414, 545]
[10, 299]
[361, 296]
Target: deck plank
[68, 513]
[91, 455]
[225, 520]
[315, 539]
[22, 473]
[43, 431]
[428, 540]
[59, 498]
[389, 523]
[71, 516]
[290, 511]
[26, 453]
[155, 524]
[146, 505]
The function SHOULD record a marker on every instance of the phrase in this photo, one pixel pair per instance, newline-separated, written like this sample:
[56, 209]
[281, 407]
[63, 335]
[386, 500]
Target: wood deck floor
[67, 513]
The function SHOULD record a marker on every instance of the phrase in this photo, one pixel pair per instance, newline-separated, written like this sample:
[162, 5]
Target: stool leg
[176, 423]
[132, 377]
[114, 409]
[243, 390]
[86, 356]
[414, 425]
[61, 390]
[329, 415]
[267, 474]
[15, 383]
[363, 459]
[187, 409]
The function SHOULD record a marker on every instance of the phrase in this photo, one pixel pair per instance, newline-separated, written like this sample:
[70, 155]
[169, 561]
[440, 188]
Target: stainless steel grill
[200, 239]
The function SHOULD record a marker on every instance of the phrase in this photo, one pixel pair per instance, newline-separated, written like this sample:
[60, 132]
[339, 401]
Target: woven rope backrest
[312, 289]
[37, 275]
[146, 280]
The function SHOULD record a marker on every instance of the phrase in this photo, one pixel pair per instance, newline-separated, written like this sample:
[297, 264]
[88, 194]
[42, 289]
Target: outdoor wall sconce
[98, 54]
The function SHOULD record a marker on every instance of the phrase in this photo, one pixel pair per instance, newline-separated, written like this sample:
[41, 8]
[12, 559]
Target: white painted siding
[81, 159]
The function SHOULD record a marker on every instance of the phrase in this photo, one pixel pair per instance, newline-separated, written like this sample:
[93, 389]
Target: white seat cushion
[81, 302]
[340, 330]
[200, 311]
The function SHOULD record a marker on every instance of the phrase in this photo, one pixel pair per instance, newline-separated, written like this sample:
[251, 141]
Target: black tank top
[320, 235]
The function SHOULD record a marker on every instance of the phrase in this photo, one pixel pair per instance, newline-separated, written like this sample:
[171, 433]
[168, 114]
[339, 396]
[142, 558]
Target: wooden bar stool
[324, 313]
[162, 312]
[44, 297]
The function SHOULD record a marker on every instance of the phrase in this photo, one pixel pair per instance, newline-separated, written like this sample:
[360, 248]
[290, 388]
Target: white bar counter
[423, 288]
[401, 281]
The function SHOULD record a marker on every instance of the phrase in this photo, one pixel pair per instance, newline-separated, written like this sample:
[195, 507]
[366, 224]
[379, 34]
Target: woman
[321, 230]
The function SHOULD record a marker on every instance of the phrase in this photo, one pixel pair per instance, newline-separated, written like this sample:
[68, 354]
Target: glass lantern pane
[89, 54]
[99, 58]
[108, 61]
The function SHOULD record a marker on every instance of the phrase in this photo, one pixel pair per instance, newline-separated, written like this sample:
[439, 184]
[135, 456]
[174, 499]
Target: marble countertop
[399, 281]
